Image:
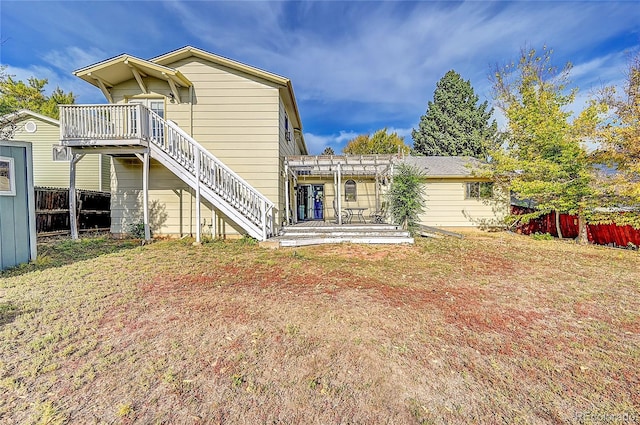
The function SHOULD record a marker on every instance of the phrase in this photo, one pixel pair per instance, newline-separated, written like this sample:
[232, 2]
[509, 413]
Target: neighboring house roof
[25, 113]
[444, 166]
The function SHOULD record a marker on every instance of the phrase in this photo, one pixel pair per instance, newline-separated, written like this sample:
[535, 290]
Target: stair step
[292, 242]
[357, 228]
[336, 233]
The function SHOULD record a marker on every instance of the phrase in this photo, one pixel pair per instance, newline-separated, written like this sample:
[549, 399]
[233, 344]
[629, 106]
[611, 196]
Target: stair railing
[92, 124]
[212, 173]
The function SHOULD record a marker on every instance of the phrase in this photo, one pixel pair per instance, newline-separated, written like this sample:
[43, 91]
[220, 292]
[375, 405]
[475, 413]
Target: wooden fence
[601, 234]
[93, 210]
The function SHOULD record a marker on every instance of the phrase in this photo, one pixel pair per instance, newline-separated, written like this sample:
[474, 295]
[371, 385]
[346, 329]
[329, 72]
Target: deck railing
[135, 121]
[103, 122]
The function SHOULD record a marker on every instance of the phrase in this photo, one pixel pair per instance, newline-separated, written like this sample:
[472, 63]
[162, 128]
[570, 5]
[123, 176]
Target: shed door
[14, 208]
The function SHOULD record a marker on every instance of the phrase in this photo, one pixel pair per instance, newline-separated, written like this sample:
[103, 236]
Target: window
[7, 177]
[350, 191]
[479, 190]
[287, 133]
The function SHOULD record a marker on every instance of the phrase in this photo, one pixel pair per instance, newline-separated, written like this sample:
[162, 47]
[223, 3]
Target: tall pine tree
[454, 123]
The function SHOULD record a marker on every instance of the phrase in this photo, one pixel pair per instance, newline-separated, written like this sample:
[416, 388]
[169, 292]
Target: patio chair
[345, 214]
[379, 216]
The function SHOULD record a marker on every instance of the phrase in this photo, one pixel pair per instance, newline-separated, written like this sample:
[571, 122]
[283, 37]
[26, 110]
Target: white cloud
[73, 57]
[390, 55]
[354, 65]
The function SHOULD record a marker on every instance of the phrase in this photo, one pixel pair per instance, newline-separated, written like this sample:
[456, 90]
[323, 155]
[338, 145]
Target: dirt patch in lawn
[498, 328]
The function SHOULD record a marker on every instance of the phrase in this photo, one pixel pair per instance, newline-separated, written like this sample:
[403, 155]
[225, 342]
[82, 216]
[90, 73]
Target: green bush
[406, 196]
[136, 230]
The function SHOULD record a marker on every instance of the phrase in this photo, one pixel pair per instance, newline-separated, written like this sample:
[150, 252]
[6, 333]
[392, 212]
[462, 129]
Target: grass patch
[56, 252]
[491, 328]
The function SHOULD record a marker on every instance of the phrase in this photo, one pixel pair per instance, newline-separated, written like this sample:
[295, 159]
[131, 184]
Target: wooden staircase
[130, 126]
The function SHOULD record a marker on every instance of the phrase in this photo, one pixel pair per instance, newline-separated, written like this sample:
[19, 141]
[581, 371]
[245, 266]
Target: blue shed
[17, 204]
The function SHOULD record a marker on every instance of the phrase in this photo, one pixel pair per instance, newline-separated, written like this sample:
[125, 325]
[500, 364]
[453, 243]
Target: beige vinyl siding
[286, 148]
[446, 205]
[49, 173]
[172, 208]
[233, 115]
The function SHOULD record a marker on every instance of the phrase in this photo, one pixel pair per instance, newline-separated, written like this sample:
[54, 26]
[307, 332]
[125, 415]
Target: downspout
[191, 111]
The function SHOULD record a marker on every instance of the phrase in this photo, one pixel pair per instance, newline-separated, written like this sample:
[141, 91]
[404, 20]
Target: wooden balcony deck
[106, 126]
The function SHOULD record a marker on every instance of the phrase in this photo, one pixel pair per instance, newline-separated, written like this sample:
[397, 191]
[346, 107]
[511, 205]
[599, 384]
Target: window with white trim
[7, 177]
[350, 190]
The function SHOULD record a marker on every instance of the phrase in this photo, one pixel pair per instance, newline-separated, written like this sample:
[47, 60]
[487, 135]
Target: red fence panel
[601, 234]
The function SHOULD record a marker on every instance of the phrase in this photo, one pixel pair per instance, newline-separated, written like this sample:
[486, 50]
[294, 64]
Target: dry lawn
[494, 328]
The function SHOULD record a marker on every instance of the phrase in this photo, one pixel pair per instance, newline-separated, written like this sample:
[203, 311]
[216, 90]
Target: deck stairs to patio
[317, 233]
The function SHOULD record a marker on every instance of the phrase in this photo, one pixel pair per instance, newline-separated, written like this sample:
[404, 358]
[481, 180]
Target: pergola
[379, 167]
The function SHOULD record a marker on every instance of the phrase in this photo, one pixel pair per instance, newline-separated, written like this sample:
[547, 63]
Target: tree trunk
[582, 238]
[557, 214]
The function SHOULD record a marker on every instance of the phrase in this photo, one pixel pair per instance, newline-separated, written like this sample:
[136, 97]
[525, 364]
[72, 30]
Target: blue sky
[355, 66]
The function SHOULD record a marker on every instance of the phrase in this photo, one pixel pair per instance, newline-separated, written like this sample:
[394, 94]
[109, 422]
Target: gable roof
[286, 88]
[118, 69]
[445, 166]
[25, 113]
[189, 51]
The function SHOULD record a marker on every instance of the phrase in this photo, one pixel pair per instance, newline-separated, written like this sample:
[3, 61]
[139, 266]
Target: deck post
[263, 207]
[377, 193]
[72, 197]
[338, 195]
[294, 202]
[145, 195]
[286, 193]
[197, 165]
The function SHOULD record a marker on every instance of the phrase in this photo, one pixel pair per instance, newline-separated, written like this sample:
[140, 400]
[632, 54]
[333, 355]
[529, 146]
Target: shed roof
[444, 166]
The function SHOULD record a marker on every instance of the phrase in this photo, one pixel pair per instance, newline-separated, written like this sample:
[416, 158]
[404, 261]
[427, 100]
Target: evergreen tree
[406, 196]
[328, 151]
[454, 123]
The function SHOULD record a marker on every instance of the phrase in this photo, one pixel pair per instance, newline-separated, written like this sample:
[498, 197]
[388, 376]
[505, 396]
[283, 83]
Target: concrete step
[337, 233]
[346, 228]
[347, 233]
[292, 242]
